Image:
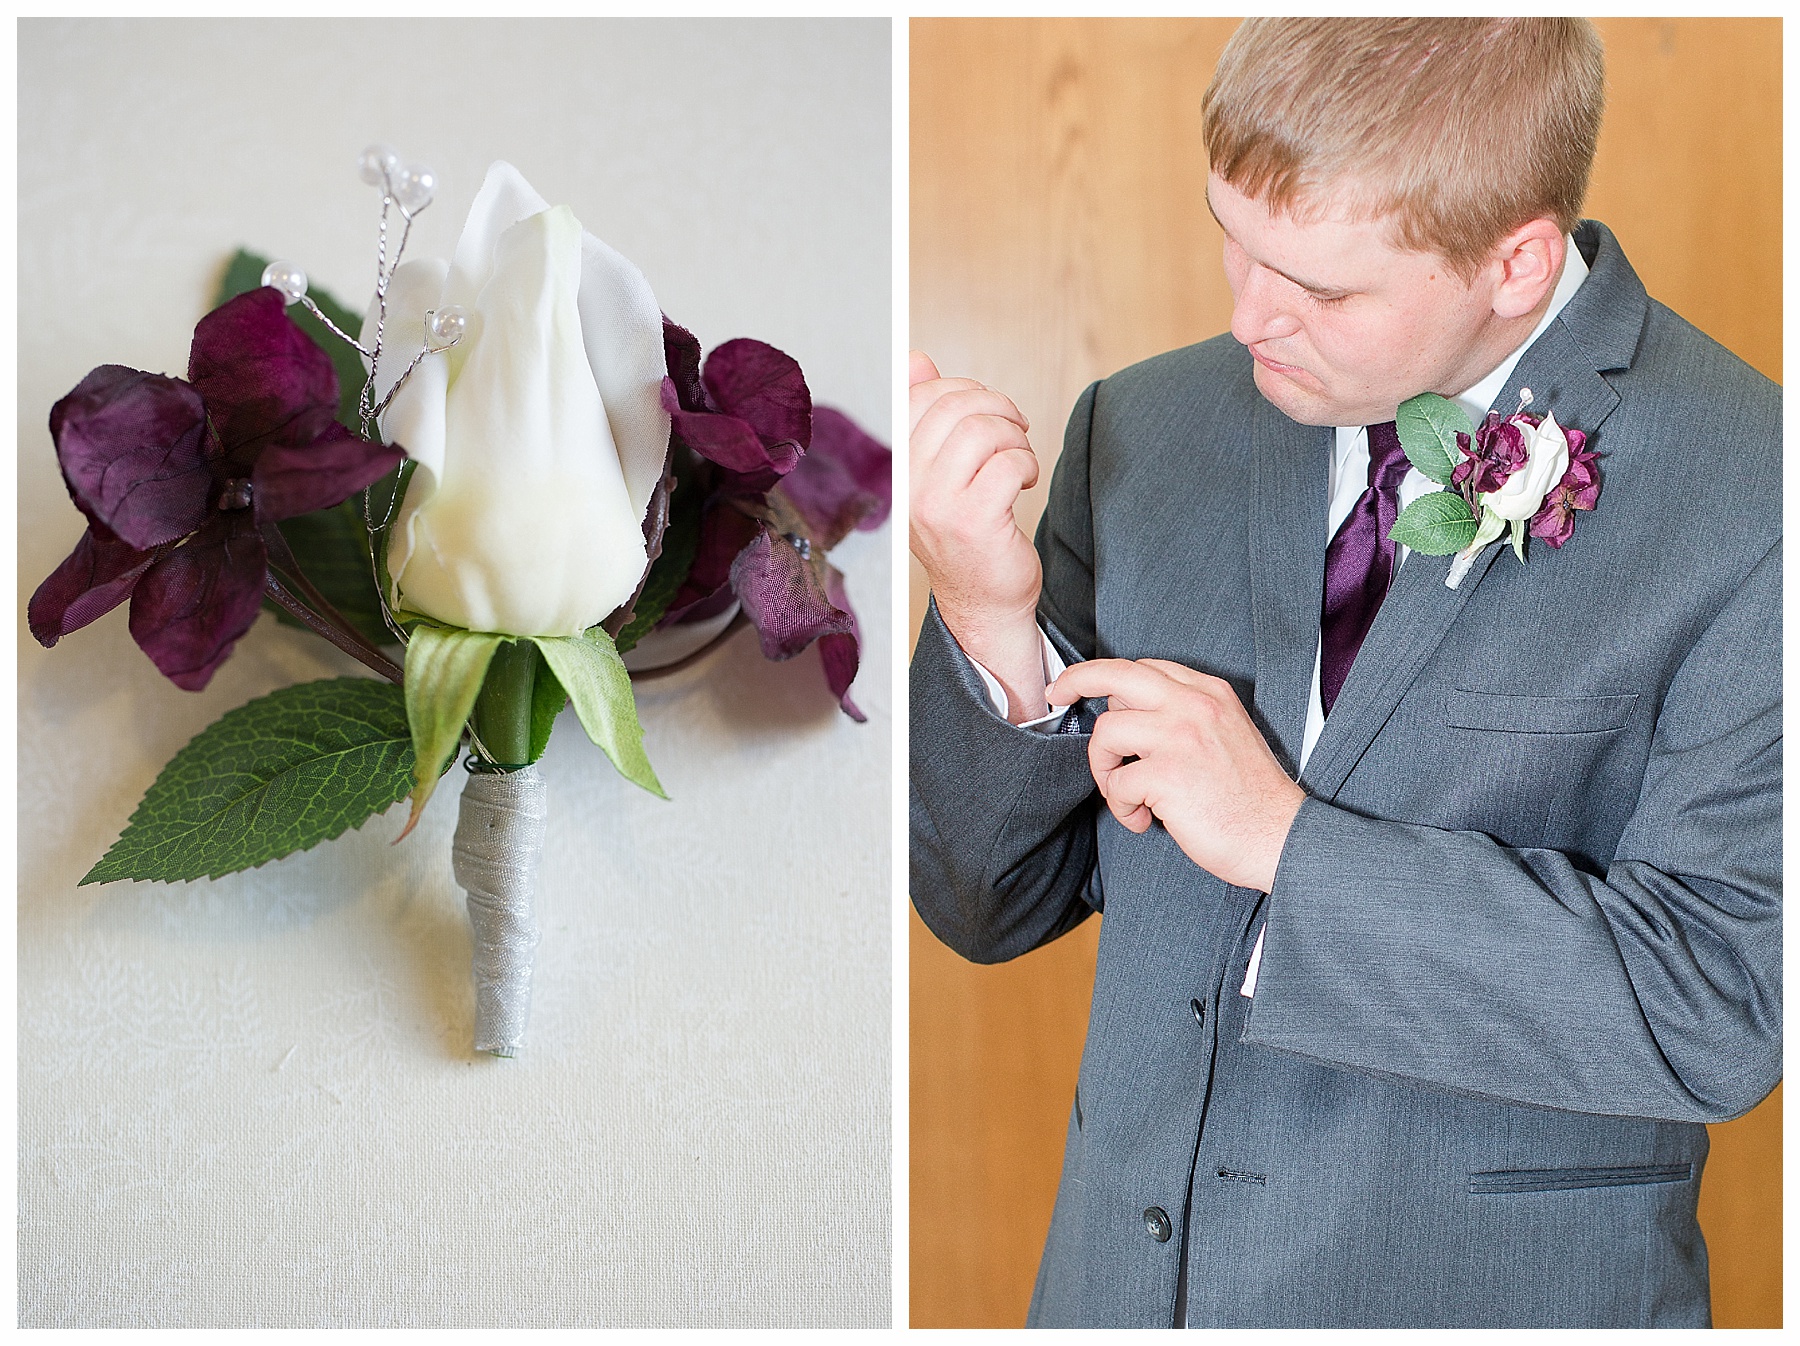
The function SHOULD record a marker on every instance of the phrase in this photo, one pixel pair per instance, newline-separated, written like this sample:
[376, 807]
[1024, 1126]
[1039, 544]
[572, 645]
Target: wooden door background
[1059, 232]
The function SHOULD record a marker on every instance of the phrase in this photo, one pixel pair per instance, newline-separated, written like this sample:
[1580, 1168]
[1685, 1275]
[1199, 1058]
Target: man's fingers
[1120, 734]
[919, 367]
[1181, 673]
[1131, 684]
[1003, 476]
[921, 397]
[1123, 788]
[970, 446]
[952, 407]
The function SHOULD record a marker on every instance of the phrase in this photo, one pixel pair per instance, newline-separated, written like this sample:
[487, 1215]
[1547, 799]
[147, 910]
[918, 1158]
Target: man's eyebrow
[1323, 291]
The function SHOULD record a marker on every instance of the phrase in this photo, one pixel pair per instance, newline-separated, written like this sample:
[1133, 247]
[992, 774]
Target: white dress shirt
[1349, 478]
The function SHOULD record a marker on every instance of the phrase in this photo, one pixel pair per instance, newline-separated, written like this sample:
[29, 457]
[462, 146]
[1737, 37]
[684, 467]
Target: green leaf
[445, 666]
[547, 700]
[1435, 524]
[278, 775]
[590, 670]
[681, 539]
[1519, 529]
[244, 272]
[1428, 426]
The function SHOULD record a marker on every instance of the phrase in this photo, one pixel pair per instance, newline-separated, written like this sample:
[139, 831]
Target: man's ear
[1529, 260]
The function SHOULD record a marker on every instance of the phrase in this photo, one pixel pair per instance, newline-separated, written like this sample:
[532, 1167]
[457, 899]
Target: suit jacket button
[1156, 1224]
[1199, 1011]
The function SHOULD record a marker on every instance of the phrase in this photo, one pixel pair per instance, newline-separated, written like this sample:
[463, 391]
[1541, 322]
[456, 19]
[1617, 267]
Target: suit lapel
[1419, 609]
[1287, 554]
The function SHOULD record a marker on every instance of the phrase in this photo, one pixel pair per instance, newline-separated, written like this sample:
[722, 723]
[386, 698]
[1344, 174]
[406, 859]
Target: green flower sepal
[507, 691]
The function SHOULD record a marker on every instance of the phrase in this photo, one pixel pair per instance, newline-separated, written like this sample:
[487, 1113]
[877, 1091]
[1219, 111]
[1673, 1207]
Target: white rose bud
[1547, 458]
[539, 436]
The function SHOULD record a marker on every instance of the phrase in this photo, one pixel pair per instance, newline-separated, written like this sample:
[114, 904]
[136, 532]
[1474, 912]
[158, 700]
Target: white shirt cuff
[1053, 669]
[1249, 986]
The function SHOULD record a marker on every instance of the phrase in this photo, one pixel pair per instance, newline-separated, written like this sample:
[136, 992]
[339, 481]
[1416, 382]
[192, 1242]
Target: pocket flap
[1513, 714]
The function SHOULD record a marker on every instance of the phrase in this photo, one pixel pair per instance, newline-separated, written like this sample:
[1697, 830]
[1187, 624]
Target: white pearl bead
[448, 325]
[413, 186]
[287, 278]
[378, 163]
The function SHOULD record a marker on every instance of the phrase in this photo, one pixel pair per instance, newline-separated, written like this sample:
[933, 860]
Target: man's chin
[1292, 400]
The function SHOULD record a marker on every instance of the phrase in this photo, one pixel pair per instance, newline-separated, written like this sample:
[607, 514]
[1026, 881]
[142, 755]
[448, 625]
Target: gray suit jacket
[1525, 937]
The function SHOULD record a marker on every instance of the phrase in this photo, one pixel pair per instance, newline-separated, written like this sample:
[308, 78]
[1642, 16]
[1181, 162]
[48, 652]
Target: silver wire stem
[401, 381]
[337, 331]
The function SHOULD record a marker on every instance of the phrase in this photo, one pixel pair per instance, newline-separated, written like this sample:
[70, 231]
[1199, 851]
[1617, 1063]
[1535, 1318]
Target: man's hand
[970, 460]
[1201, 768]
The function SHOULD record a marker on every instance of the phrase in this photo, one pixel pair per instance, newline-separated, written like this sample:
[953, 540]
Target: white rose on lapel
[1546, 459]
[539, 436]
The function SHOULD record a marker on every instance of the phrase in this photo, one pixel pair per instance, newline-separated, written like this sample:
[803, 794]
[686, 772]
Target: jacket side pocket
[1501, 1181]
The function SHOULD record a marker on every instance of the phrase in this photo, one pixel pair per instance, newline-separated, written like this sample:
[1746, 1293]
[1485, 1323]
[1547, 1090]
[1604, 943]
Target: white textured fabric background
[252, 1101]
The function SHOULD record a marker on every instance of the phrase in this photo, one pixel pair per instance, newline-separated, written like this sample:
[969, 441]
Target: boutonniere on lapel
[1522, 472]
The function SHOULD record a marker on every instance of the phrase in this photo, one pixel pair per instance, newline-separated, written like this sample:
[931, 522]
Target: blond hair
[1458, 130]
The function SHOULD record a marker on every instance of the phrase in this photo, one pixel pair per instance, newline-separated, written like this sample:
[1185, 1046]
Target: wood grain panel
[1689, 171]
[1059, 232]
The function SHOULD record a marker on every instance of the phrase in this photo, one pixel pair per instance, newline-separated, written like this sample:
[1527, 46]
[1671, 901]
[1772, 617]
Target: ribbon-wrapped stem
[499, 841]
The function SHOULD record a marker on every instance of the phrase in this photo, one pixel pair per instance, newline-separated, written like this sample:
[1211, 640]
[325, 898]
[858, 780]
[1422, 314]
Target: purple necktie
[1359, 563]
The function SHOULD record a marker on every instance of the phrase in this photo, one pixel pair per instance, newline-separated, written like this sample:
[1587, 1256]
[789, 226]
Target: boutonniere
[516, 484]
[1524, 473]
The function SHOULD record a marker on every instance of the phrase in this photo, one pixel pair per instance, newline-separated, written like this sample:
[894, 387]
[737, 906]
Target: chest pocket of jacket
[1511, 714]
[1524, 764]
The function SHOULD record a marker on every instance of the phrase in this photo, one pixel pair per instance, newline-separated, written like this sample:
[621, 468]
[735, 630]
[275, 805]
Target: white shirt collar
[1478, 399]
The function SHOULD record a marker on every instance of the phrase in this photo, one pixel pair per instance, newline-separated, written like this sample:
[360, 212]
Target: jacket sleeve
[1001, 819]
[1651, 990]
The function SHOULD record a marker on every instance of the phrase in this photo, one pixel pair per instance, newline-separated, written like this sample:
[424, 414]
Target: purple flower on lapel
[178, 477]
[1498, 450]
[1579, 489]
[789, 482]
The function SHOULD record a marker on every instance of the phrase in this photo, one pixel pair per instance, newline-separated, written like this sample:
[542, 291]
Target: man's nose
[1263, 310]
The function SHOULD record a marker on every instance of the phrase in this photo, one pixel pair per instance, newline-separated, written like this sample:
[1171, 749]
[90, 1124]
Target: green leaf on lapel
[1428, 425]
[278, 775]
[445, 666]
[590, 670]
[1519, 528]
[1435, 524]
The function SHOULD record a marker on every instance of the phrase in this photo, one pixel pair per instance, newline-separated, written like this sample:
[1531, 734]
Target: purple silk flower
[1498, 451]
[178, 478]
[1579, 489]
[792, 481]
